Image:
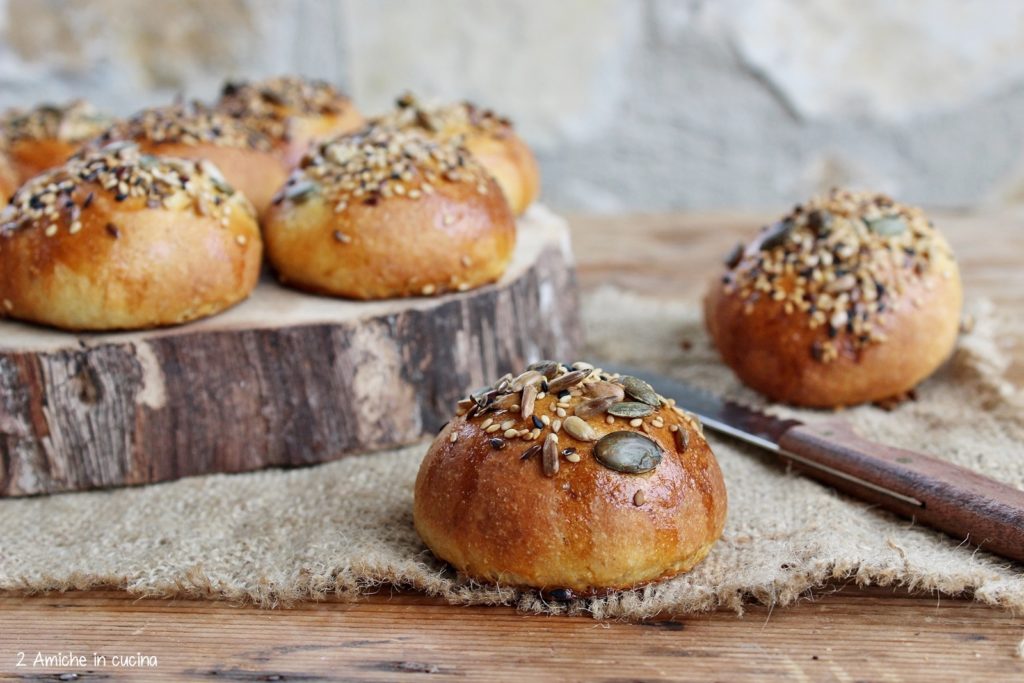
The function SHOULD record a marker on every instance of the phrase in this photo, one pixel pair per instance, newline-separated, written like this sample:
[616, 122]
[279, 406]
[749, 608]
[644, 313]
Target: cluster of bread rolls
[195, 192]
[563, 477]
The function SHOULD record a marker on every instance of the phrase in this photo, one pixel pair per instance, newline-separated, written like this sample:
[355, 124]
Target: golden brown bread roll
[386, 213]
[570, 479]
[292, 111]
[47, 135]
[850, 298]
[191, 130]
[488, 137]
[116, 239]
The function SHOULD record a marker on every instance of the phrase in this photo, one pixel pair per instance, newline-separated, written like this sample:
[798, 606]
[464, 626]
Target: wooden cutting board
[283, 379]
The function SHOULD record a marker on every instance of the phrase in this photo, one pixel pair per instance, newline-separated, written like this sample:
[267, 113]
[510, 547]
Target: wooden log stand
[284, 379]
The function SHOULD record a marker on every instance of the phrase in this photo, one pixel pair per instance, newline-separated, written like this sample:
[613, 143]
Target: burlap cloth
[278, 536]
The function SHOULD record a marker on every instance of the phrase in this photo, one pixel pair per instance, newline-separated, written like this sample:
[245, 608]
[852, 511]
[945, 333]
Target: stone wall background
[630, 104]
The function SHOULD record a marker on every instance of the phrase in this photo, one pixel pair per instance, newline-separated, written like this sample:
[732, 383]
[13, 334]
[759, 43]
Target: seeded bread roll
[385, 213]
[116, 239]
[293, 112]
[190, 130]
[488, 137]
[848, 299]
[46, 136]
[572, 481]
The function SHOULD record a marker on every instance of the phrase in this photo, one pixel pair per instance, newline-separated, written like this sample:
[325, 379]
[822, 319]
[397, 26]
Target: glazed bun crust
[777, 353]
[397, 240]
[29, 158]
[511, 163]
[499, 519]
[255, 173]
[91, 281]
[920, 337]
[127, 265]
[452, 239]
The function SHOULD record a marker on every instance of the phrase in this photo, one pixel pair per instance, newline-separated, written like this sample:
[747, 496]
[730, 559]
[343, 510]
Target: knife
[960, 502]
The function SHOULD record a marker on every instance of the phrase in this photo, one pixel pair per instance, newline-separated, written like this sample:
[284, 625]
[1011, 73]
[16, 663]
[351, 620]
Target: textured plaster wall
[630, 104]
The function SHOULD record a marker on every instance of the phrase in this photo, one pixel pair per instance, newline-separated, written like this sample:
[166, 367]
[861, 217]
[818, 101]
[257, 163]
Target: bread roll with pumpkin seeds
[488, 137]
[47, 135]
[293, 112]
[191, 130]
[385, 213]
[117, 239]
[850, 298]
[572, 481]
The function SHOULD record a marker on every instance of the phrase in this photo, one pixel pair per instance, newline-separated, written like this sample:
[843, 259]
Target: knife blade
[960, 502]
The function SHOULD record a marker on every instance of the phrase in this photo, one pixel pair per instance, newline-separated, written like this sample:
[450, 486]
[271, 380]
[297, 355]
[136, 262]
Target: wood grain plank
[846, 636]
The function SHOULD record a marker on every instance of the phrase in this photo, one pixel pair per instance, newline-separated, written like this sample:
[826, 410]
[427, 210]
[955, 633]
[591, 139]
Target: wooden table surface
[840, 633]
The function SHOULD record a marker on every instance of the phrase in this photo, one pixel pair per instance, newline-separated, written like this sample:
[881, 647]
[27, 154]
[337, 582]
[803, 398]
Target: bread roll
[850, 298]
[47, 135]
[191, 130]
[572, 481]
[386, 213]
[116, 239]
[488, 137]
[293, 112]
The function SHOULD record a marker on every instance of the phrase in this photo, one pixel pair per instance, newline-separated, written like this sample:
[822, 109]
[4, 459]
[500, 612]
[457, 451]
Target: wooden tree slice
[283, 379]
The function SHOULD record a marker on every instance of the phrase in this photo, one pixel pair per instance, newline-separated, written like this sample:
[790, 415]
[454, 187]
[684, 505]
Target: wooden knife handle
[953, 499]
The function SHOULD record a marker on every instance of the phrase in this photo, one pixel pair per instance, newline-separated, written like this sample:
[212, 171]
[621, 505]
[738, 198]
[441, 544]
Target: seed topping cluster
[188, 123]
[840, 261]
[377, 163]
[551, 402]
[74, 122]
[268, 105]
[446, 121]
[57, 198]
